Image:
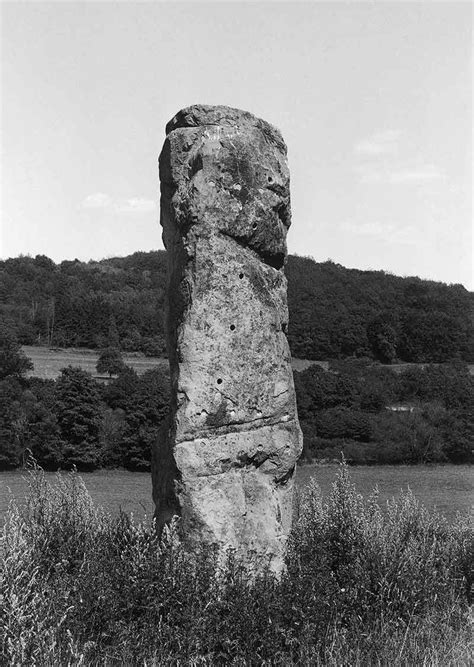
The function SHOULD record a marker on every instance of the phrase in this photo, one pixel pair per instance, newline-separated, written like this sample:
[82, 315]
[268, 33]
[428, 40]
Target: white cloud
[380, 143]
[97, 200]
[100, 200]
[423, 173]
[383, 172]
[366, 228]
[135, 205]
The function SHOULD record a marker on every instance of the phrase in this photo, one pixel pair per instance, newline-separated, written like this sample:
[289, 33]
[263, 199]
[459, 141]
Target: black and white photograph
[236, 333]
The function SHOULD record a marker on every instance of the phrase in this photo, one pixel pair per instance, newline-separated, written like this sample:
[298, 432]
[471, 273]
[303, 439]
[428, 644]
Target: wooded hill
[334, 312]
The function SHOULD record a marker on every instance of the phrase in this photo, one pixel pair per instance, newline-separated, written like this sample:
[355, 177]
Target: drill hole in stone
[219, 380]
[254, 226]
[241, 275]
[232, 327]
[270, 179]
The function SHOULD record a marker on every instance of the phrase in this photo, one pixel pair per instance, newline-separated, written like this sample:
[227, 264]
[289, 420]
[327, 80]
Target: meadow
[449, 489]
[363, 586]
[47, 362]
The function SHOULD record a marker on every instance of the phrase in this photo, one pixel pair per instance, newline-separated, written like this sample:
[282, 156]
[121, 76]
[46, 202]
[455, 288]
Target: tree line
[366, 411]
[335, 312]
[423, 414]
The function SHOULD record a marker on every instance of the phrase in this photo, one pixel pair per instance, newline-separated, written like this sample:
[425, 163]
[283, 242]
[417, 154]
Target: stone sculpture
[226, 460]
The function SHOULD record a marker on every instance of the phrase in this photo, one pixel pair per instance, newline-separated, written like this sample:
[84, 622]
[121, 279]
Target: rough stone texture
[226, 459]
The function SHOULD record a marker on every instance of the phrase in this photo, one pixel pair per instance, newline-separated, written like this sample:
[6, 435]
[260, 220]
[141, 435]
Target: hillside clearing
[49, 362]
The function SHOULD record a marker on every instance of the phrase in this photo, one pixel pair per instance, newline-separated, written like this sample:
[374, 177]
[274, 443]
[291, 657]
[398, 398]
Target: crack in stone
[229, 398]
[258, 422]
[246, 461]
[285, 391]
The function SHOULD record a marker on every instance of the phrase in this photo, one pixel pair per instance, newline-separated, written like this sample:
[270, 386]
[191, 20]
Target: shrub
[110, 361]
[363, 586]
[13, 361]
[343, 422]
[394, 562]
[79, 412]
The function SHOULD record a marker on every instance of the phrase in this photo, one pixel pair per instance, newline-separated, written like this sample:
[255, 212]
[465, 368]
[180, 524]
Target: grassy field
[49, 362]
[447, 488]
[362, 587]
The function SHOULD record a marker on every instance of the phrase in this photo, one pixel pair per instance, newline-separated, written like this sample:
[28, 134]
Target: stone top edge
[199, 115]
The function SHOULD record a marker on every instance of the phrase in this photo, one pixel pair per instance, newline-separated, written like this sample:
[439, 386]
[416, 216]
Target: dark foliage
[334, 312]
[78, 411]
[13, 366]
[140, 403]
[353, 317]
[337, 312]
[110, 361]
[13, 361]
[12, 444]
[94, 304]
[367, 411]
[375, 415]
[74, 421]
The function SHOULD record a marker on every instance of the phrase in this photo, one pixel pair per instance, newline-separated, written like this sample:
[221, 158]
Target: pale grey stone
[226, 458]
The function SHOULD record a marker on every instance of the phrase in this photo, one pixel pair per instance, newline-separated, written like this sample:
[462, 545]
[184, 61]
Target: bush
[343, 422]
[345, 409]
[13, 361]
[395, 563]
[79, 413]
[110, 361]
[363, 586]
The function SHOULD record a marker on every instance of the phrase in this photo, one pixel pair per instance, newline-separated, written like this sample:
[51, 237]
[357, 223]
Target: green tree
[408, 437]
[78, 409]
[382, 339]
[44, 435]
[113, 339]
[116, 432]
[153, 346]
[119, 392]
[13, 361]
[317, 389]
[11, 423]
[431, 336]
[110, 361]
[145, 409]
[341, 422]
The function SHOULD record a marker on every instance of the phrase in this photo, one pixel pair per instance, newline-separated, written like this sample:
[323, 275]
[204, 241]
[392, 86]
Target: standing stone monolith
[226, 460]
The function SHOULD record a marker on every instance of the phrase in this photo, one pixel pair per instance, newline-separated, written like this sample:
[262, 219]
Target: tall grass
[364, 585]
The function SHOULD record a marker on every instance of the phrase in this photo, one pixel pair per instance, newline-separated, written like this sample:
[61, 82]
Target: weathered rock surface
[226, 460]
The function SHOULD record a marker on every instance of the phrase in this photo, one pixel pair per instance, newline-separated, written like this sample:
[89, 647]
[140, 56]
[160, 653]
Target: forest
[360, 321]
[357, 407]
[335, 312]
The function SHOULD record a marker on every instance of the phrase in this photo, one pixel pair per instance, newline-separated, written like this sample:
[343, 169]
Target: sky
[374, 100]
